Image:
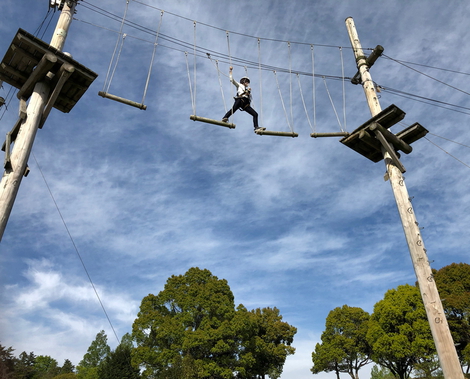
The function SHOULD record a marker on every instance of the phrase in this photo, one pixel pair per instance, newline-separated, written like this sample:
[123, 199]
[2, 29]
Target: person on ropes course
[242, 100]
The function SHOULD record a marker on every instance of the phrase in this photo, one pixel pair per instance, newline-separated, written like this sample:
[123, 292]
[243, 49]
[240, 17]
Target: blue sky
[305, 225]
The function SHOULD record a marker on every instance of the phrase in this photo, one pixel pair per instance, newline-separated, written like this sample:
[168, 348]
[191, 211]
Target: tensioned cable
[428, 76]
[432, 67]
[241, 34]
[76, 248]
[427, 139]
[201, 52]
[267, 67]
[449, 140]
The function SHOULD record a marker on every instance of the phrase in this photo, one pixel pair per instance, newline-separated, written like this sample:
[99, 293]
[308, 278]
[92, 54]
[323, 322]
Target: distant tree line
[192, 330]
[396, 336]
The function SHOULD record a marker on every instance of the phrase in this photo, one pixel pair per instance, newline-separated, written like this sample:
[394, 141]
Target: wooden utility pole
[34, 115]
[437, 320]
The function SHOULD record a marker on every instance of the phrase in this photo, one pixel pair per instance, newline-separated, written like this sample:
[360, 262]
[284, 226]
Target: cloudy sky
[128, 197]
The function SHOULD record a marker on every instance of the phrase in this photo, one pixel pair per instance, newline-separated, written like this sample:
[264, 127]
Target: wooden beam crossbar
[122, 100]
[278, 134]
[212, 121]
[333, 134]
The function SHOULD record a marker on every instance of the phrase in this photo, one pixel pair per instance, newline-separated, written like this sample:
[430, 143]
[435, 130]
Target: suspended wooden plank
[333, 134]
[123, 100]
[211, 121]
[278, 134]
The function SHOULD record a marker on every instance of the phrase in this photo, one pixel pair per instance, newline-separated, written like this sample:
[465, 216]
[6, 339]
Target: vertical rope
[153, 57]
[105, 89]
[290, 84]
[117, 60]
[333, 105]
[193, 103]
[303, 102]
[344, 90]
[282, 101]
[221, 87]
[314, 92]
[195, 78]
[260, 83]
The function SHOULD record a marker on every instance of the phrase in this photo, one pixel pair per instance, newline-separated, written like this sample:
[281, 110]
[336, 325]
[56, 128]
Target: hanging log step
[278, 134]
[122, 100]
[211, 121]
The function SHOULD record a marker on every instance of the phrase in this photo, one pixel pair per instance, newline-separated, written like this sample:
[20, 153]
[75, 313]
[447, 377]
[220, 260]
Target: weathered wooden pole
[445, 347]
[13, 175]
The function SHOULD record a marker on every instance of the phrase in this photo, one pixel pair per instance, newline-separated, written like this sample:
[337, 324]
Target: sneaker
[225, 120]
[259, 129]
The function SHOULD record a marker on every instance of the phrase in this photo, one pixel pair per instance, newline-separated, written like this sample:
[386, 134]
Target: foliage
[7, 362]
[117, 364]
[453, 283]
[344, 346]
[399, 332]
[192, 330]
[24, 368]
[88, 367]
[379, 372]
[46, 367]
[266, 342]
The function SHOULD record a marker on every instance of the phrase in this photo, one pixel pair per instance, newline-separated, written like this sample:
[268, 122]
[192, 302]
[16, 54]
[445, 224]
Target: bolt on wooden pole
[445, 347]
[13, 175]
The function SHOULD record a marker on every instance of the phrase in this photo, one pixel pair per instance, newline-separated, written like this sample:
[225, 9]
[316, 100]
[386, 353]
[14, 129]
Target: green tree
[344, 346]
[453, 283]
[265, 343]
[88, 367]
[379, 372]
[117, 364]
[7, 362]
[67, 367]
[46, 367]
[187, 325]
[191, 330]
[24, 368]
[399, 332]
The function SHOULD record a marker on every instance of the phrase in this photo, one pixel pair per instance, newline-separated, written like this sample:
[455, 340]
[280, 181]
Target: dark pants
[244, 104]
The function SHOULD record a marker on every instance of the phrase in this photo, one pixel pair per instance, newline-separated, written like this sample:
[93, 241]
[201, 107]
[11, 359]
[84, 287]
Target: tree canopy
[191, 329]
[344, 347]
[88, 367]
[399, 332]
[453, 283]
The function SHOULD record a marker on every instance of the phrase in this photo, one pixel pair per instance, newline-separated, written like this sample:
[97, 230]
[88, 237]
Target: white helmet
[245, 79]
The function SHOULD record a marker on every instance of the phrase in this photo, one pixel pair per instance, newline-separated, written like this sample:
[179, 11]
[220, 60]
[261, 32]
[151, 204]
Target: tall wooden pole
[445, 347]
[12, 177]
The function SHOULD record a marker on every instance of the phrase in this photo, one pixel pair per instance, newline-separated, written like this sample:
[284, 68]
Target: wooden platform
[21, 60]
[362, 139]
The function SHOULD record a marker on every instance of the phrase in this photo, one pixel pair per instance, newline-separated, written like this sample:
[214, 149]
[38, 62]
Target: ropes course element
[109, 76]
[193, 88]
[275, 133]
